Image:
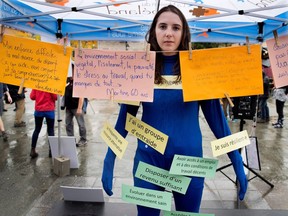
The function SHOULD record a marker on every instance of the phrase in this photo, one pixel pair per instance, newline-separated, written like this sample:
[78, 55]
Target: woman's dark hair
[151, 38]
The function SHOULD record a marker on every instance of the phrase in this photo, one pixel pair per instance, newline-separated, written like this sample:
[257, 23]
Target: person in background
[44, 108]
[227, 108]
[225, 105]
[263, 107]
[85, 105]
[168, 113]
[19, 100]
[3, 90]
[74, 108]
[280, 96]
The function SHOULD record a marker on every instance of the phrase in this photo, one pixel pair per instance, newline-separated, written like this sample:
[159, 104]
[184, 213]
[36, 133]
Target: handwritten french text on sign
[162, 178]
[145, 197]
[114, 140]
[43, 66]
[193, 166]
[213, 72]
[146, 133]
[278, 56]
[230, 143]
[181, 213]
[121, 75]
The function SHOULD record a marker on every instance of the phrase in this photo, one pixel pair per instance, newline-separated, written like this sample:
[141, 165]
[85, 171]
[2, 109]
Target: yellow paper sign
[43, 66]
[114, 140]
[230, 143]
[213, 72]
[149, 135]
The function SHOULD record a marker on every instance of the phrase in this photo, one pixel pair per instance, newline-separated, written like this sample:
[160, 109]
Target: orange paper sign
[278, 56]
[121, 75]
[212, 73]
[38, 65]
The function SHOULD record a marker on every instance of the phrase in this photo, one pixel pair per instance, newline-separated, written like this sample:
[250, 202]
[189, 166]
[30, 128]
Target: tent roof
[209, 20]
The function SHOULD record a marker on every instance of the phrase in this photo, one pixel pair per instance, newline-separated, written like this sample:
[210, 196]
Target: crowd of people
[44, 112]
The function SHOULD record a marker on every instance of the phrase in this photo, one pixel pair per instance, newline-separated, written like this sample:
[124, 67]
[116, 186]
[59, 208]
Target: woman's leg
[279, 109]
[152, 159]
[191, 201]
[19, 112]
[50, 130]
[38, 126]
[50, 126]
[82, 127]
[69, 122]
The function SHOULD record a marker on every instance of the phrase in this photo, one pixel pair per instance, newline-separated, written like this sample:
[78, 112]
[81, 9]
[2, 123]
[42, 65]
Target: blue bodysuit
[179, 120]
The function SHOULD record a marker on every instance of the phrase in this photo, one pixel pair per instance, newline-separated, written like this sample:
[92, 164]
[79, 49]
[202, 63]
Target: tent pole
[158, 5]
[64, 9]
[59, 125]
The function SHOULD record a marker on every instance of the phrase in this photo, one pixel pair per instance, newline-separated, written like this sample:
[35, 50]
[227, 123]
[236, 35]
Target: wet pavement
[30, 187]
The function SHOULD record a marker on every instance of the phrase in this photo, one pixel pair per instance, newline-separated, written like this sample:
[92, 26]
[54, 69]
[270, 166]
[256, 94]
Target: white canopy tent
[209, 20]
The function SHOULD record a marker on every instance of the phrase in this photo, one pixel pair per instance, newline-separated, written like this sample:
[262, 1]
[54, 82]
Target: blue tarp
[209, 20]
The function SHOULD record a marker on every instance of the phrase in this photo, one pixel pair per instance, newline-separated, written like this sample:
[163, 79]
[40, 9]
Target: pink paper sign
[114, 75]
[278, 55]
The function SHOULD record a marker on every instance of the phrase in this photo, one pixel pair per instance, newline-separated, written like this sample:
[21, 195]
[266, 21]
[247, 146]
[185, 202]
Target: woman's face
[168, 31]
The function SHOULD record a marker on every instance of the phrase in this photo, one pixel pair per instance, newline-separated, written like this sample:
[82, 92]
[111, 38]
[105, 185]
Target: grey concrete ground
[30, 187]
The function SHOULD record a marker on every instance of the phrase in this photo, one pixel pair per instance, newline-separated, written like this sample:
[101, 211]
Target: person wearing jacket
[168, 113]
[263, 107]
[19, 99]
[74, 108]
[3, 90]
[44, 108]
[280, 95]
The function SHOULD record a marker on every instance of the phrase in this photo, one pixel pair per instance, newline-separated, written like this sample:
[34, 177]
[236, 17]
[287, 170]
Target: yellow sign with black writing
[42, 66]
[146, 133]
[114, 140]
[212, 73]
[230, 143]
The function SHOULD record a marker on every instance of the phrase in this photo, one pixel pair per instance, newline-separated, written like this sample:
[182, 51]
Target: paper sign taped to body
[145, 197]
[149, 135]
[161, 177]
[230, 143]
[181, 213]
[213, 72]
[278, 56]
[121, 75]
[40, 64]
[193, 166]
[114, 140]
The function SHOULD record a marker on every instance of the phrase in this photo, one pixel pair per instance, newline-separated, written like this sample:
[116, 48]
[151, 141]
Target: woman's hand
[107, 174]
[238, 166]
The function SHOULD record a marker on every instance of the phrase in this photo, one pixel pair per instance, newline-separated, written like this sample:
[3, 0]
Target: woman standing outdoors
[44, 108]
[168, 113]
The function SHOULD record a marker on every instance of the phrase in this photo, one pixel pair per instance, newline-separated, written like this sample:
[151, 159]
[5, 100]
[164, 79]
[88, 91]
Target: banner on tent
[278, 56]
[209, 21]
[212, 73]
[40, 65]
[114, 75]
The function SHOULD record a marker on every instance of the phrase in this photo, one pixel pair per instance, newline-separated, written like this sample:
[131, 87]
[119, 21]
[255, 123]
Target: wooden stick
[148, 52]
[20, 90]
[229, 100]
